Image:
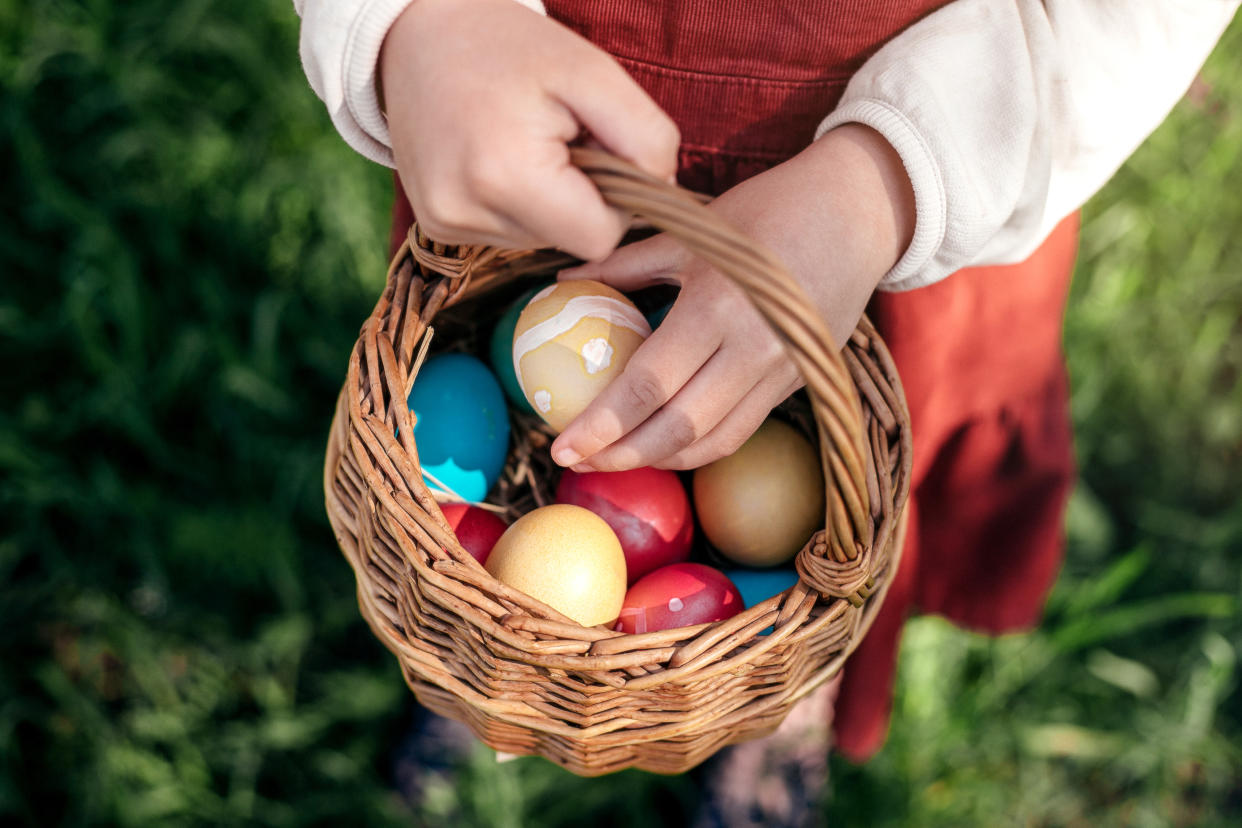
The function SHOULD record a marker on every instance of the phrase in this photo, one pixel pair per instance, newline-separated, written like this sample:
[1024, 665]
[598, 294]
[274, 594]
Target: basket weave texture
[525, 678]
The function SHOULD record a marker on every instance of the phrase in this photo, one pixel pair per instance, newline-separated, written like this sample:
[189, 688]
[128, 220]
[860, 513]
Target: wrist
[870, 182]
[916, 266]
[840, 214]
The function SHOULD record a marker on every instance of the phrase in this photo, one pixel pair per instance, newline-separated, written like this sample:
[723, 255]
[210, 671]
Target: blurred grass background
[188, 251]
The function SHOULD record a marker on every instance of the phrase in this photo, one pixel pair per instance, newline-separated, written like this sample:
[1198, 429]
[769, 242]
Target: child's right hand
[483, 98]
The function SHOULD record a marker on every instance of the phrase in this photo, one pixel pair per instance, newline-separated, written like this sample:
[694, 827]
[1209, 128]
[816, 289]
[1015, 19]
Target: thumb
[657, 260]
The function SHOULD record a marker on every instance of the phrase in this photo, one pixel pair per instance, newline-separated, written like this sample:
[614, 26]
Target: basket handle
[787, 308]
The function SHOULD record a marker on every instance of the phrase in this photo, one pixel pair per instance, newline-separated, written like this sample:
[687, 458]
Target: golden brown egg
[571, 340]
[568, 558]
[761, 504]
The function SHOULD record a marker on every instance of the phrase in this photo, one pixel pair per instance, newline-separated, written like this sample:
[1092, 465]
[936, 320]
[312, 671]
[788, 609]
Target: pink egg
[678, 595]
[477, 529]
[647, 508]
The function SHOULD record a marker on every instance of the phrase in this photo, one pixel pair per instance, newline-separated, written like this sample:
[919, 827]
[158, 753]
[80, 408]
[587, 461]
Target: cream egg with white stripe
[570, 341]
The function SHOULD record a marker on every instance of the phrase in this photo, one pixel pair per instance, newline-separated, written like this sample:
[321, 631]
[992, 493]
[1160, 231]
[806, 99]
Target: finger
[490, 229]
[621, 116]
[691, 414]
[656, 372]
[590, 142]
[657, 260]
[448, 213]
[556, 202]
[736, 427]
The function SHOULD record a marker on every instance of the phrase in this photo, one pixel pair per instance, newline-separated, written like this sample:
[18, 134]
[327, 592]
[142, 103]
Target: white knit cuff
[361, 65]
[913, 269]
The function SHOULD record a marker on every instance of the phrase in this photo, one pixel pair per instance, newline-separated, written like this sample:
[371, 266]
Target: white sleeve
[1009, 115]
[340, 45]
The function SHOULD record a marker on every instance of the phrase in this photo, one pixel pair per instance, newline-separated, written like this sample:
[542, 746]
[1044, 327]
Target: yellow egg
[568, 558]
[762, 503]
[571, 340]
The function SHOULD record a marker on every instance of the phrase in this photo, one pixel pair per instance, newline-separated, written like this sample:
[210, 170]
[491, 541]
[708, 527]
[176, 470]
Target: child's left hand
[839, 215]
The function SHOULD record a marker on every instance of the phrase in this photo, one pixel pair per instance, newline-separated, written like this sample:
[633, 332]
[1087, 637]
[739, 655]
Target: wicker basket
[522, 676]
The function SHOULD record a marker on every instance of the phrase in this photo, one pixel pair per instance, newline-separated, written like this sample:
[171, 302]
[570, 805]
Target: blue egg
[462, 425]
[758, 585]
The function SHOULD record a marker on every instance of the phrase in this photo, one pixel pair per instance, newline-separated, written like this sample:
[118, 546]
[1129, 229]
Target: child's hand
[482, 99]
[839, 215]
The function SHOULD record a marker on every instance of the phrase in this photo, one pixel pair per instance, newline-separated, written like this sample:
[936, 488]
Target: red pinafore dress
[979, 353]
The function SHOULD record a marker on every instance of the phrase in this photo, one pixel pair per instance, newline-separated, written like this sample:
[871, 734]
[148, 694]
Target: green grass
[187, 254]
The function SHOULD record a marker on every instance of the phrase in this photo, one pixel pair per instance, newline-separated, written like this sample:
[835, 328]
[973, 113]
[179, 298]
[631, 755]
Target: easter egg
[571, 340]
[500, 351]
[761, 504]
[461, 424]
[476, 529]
[647, 508]
[758, 585]
[566, 557]
[678, 595]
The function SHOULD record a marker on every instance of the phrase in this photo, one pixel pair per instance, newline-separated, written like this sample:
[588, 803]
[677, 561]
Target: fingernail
[566, 457]
[582, 468]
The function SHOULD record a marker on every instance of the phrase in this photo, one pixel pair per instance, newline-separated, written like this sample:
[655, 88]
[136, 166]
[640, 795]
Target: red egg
[678, 595]
[647, 508]
[477, 529]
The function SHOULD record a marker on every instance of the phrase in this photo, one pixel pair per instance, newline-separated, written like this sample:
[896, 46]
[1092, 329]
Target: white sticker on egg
[543, 400]
[675, 605]
[597, 353]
